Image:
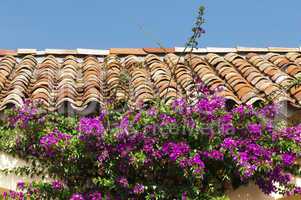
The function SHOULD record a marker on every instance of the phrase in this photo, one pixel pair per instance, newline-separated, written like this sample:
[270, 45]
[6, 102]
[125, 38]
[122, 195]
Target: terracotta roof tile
[4, 52]
[127, 51]
[159, 50]
[84, 79]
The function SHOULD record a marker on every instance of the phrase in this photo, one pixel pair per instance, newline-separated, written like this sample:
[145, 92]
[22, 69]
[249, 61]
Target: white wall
[10, 181]
[249, 192]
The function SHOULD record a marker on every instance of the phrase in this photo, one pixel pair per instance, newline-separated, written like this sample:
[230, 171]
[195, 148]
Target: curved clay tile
[273, 72]
[7, 64]
[284, 64]
[116, 76]
[141, 88]
[82, 83]
[182, 74]
[210, 78]
[43, 87]
[7, 67]
[245, 92]
[257, 79]
[18, 86]
[269, 69]
[93, 81]
[294, 57]
[163, 80]
[68, 90]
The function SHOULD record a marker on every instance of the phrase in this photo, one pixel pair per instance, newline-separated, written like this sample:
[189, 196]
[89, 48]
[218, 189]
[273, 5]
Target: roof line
[144, 51]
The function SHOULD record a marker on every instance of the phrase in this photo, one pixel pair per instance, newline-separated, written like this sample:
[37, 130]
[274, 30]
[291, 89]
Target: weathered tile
[77, 78]
[127, 51]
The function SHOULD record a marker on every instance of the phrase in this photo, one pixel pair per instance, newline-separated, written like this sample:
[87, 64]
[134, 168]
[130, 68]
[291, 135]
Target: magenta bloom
[57, 185]
[49, 141]
[254, 128]
[21, 185]
[91, 126]
[138, 189]
[95, 196]
[77, 196]
[123, 182]
[214, 154]
[166, 120]
[175, 150]
[288, 159]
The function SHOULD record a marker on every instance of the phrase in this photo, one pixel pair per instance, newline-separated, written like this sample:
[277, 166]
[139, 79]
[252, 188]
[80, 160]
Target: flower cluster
[50, 141]
[164, 151]
[24, 115]
[91, 126]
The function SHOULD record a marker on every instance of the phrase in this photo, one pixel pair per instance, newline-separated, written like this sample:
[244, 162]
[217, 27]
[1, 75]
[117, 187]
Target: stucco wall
[10, 181]
[249, 192]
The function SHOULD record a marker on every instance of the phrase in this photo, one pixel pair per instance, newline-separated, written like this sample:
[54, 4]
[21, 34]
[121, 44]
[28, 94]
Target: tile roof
[80, 78]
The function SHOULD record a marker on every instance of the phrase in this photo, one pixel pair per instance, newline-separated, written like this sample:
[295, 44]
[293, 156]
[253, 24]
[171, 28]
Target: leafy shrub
[182, 151]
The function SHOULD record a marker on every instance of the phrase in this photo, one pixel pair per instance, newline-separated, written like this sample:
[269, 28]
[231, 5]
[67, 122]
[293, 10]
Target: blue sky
[115, 23]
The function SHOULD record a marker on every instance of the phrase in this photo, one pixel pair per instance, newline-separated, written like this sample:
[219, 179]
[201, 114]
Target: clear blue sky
[115, 23]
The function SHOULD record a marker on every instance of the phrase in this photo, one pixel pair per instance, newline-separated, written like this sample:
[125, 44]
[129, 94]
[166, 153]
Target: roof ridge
[144, 51]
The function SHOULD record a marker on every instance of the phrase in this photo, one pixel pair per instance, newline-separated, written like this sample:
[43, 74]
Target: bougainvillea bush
[186, 150]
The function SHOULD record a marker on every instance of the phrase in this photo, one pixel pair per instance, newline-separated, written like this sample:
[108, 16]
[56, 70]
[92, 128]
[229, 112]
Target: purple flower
[103, 155]
[21, 185]
[297, 190]
[226, 124]
[197, 164]
[254, 128]
[166, 120]
[184, 196]
[57, 185]
[239, 110]
[124, 122]
[137, 117]
[288, 159]
[138, 189]
[49, 141]
[77, 196]
[248, 171]
[152, 112]
[179, 106]
[269, 111]
[229, 143]
[95, 196]
[123, 182]
[214, 154]
[24, 115]
[190, 123]
[175, 150]
[226, 118]
[269, 127]
[102, 115]
[91, 126]
[196, 159]
[14, 195]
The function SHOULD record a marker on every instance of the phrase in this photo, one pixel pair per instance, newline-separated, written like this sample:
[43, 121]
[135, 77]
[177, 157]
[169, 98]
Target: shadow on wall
[252, 192]
[249, 192]
[9, 182]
